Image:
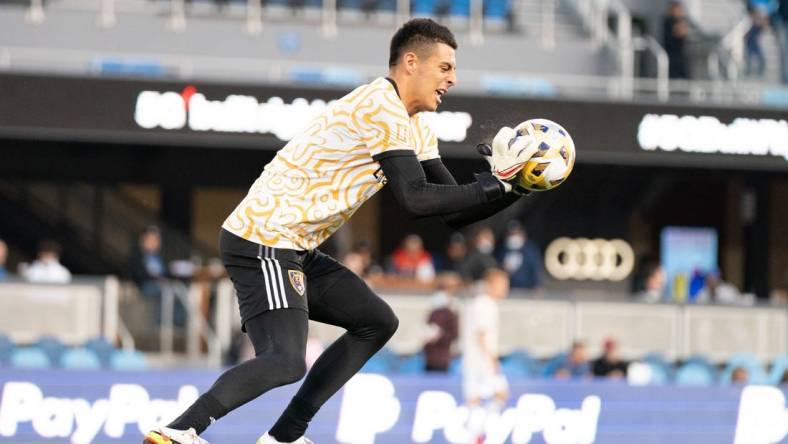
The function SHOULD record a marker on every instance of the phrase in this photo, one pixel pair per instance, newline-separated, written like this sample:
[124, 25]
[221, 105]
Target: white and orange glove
[508, 154]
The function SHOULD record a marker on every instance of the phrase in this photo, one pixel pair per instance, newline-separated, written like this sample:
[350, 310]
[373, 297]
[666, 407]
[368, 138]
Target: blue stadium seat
[102, 348]
[6, 346]
[755, 371]
[52, 347]
[80, 359]
[496, 9]
[521, 363]
[552, 365]
[384, 361]
[412, 365]
[387, 5]
[30, 358]
[660, 374]
[127, 360]
[460, 8]
[694, 374]
[423, 7]
[779, 367]
[514, 368]
[455, 366]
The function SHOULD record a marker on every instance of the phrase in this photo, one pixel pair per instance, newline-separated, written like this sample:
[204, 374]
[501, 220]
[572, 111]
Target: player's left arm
[436, 172]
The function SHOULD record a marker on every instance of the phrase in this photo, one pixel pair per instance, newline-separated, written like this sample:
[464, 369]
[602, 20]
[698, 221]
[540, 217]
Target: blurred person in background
[47, 269]
[780, 26]
[148, 270]
[269, 242]
[650, 282]
[675, 30]
[755, 62]
[520, 257]
[456, 250]
[718, 291]
[442, 324]
[482, 379]
[354, 262]
[412, 261]
[480, 258]
[784, 378]
[739, 375]
[609, 365]
[3, 259]
[364, 250]
[575, 365]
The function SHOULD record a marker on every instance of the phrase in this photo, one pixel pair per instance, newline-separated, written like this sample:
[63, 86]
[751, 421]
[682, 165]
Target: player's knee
[293, 367]
[387, 325]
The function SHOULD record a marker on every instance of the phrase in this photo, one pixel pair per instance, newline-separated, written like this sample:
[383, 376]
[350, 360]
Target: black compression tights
[279, 339]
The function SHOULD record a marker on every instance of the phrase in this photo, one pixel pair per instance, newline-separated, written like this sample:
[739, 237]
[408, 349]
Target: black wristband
[492, 187]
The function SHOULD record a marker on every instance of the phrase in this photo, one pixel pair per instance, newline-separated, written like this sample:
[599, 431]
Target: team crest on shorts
[297, 281]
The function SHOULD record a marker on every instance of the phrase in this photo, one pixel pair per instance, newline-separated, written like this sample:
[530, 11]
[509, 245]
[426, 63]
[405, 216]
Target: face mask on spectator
[515, 242]
[485, 247]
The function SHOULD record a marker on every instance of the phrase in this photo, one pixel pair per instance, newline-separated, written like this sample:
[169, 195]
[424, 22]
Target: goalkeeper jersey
[324, 174]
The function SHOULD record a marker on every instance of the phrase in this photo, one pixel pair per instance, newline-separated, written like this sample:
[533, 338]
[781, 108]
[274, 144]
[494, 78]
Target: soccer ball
[553, 163]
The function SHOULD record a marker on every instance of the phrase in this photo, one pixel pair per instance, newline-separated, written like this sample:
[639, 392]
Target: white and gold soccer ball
[553, 161]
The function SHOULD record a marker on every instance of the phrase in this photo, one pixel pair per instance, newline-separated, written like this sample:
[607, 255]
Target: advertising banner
[204, 114]
[118, 407]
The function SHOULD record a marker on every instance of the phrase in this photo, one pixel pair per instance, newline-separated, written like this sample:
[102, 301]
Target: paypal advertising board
[83, 407]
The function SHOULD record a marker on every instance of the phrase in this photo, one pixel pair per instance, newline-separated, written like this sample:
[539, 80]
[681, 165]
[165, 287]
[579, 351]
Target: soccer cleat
[164, 435]
[268, 439]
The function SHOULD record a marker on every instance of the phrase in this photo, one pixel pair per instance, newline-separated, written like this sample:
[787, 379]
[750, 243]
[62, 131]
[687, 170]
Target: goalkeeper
[372, 137]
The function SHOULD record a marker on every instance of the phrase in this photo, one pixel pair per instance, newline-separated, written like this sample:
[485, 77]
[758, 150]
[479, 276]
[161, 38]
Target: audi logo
[589, 259]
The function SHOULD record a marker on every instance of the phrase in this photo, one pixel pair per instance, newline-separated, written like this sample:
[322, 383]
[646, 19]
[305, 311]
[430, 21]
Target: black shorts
[267, 278]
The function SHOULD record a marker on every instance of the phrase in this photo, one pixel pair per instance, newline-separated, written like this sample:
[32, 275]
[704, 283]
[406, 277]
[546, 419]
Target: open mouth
[439, 94]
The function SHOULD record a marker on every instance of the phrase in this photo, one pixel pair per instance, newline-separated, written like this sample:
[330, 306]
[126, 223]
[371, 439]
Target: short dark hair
[417, 32]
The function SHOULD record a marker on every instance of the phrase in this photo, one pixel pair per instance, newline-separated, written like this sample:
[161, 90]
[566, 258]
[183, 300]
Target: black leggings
[279, 337]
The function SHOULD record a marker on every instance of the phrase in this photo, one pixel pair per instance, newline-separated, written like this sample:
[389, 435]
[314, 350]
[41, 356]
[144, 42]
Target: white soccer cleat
[164, 435]
[268, 439]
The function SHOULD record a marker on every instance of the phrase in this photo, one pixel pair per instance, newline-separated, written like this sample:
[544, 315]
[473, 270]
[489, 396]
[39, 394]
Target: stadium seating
[80, 359]
[755, 371]
[52, 347]
[413, 364]
[30, 358]
[127, 360]
[6, 346]
[779, 367]
[694, 374]
[102, 348]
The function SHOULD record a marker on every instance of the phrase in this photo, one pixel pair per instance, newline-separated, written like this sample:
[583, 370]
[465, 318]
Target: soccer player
[482, 379]
[372, 137]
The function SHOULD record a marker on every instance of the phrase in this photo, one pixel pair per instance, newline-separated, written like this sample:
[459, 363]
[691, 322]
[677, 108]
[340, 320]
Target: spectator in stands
[755, 62]
[609, 365]
[780, 25]
[3, 258]
[411, 260]
[354, 262]
[364, 250]
[442, 324]
[149, 272]
[675, 29]
[47, 269]
[456, 250]
[718, 291]
[652, 282]
[739, 375]
[575, 365]
[520, 257]
[480, 259]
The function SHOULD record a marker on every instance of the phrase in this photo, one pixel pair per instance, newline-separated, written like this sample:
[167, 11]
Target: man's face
[435, 73]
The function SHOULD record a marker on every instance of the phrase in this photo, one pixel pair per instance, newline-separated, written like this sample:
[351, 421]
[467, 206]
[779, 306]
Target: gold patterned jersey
[324, 174]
